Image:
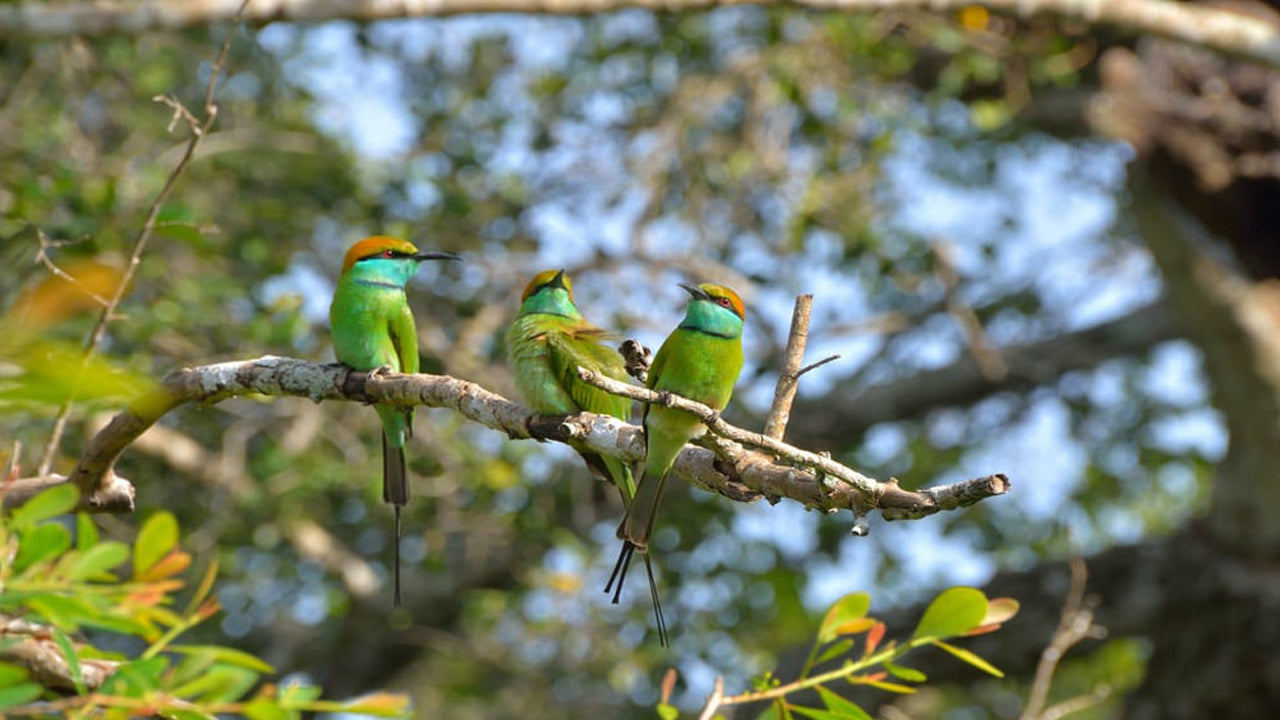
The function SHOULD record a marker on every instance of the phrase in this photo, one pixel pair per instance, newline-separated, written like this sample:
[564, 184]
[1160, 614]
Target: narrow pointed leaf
[874, 636]
[835, 650]
[230, 656]
[842, 707]
[71, 657]
[815, 713]
[19, 694]
[970, 657]
[905, 673]
[86, 531]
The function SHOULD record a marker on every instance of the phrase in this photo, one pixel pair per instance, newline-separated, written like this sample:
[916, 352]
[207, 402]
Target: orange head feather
[725, 297]
[555, 278]
[377, 245]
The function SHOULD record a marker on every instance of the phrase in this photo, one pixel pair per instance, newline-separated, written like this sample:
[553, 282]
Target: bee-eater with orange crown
[700, 360]
[373, 328]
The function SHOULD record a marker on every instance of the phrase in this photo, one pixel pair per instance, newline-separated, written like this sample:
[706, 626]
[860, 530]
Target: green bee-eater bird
[373, 328]
[546, 344]
[699, 360]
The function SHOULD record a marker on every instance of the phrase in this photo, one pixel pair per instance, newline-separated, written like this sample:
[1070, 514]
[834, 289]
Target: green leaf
[73, 659]
[667, 711]
[19, 694]
[888, 686]
[41, 543]
[842, 707]
[97, 560]
[835, 650]
[57, 500]
[296, 693]
[86, 531]
[971, 658]
[845, 610]
[180, 231]
[905, 673]
[159, 534]
[185, 714]
[815, 713]
[262, 708]
[381, 704]
[221, 683]
[11, 674]
[135, 678]
[954, 612]
[230, 656]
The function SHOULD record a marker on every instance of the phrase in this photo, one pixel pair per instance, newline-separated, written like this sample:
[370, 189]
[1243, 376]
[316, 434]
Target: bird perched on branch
[373, 330]
[546, 344]
[699, 360]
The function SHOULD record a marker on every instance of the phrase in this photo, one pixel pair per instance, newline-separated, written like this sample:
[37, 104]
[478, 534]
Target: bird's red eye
[388, 253]
[724, 301]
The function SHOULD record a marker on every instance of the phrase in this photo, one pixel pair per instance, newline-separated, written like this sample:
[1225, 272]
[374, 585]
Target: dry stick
[789, 379]
[987, 357]
[868, 492]
[1075, 624]
[752, 474]
[713, 700]
[198, 131]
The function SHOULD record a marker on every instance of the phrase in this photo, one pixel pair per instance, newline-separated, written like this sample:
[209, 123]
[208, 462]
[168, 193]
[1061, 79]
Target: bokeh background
[1042, 247]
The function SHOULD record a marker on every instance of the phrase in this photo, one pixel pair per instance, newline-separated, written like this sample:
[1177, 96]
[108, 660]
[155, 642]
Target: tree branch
[31, 645]
[199, 128]
[745, 477]
[847, 411]
[789, 378]
[1221, 30]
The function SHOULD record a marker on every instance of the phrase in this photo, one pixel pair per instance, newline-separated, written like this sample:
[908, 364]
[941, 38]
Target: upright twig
[198, 132]
[785, 391]
[1075, 624]
[987, 357]
[713, 700]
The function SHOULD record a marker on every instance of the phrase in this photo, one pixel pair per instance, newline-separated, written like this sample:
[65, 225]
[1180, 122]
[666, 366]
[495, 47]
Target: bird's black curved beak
[696, 292]
[436, 255]
[557, 280]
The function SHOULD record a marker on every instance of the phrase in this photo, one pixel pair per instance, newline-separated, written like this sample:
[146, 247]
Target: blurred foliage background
[941, 182]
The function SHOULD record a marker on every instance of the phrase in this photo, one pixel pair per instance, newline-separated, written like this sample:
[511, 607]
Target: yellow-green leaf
[667, 711]
[841, 707]
[846, 609]
[954, 612]
[159, 534]
[230, 656]
[97, 560]
[19, 694]
[57, 500]
[905, 673]
[971, 658]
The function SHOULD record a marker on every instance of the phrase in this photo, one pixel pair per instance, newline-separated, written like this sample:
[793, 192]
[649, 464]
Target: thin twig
[42, 256]
[713, 700]
[1075, 624]
[984, 353]
[198, 131]
[789, 378]
[820, 363]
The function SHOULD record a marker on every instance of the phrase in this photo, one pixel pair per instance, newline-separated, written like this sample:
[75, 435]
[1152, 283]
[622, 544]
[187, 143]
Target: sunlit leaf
[11, 674]
[667, 711]
[261, 708]
[999, 610]
[843, 611]
[815, 713]
[57, 500]
[230, 656]
[158, 535]
[836, 649]
[19, 694]
[890, 686]
[954, 612]
[971, 658]
[41, 543]
[171, 564]
[842, 707]
[221, 683]
[71, 657]
[86, 531]
[905, 673]
[97, 560]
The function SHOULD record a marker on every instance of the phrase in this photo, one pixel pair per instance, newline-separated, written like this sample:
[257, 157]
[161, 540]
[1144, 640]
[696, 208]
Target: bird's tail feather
[395, 490]
[620, 575]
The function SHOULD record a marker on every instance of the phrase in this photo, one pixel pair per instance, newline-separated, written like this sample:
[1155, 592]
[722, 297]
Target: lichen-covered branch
[738, 472]
[31, 645]
[1215, 28]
